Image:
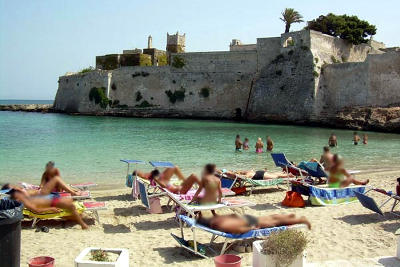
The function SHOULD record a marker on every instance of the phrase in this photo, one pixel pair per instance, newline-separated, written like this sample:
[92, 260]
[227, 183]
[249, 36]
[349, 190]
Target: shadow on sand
[369, 218]
[389, 261]
[113, 229]
[136, 211]
[151, 225]
[54, 223]
[125, 197]
[173, 255]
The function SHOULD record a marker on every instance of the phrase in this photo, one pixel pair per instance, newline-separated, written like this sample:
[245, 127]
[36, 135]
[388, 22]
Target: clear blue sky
[41, 40]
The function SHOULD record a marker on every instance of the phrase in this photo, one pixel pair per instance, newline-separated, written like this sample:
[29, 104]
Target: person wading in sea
[238, 143]
[270, 144]
[332, 142]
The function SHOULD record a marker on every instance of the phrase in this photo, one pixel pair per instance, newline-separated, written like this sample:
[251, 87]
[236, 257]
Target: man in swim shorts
[332, 142]
[238, 143]
[237, 224]
[356, 138]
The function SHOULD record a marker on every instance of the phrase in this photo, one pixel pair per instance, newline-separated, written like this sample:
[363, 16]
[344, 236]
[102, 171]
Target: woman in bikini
[52, 182]
[164, 179]
[237, 224]
[256, 175]
[259, 145]
[211, 185]
[339, 177]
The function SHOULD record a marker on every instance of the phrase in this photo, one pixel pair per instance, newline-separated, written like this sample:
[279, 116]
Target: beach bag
[293, 199]
[155, 205]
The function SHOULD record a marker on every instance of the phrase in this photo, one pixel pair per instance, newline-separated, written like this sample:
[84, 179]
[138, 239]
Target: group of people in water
[332, 141]
[259, 146]
[46, 198]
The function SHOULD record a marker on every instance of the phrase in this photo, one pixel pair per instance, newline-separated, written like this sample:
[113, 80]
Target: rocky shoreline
[44, 108]
[357, 118]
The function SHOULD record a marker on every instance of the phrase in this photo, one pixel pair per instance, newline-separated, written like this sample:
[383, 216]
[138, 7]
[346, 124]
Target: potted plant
[107, 257]
[281, 249]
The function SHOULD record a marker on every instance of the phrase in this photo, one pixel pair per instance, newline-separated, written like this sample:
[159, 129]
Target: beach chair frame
[135, 190]
[214, 237]
[390, 197]
[144, 194]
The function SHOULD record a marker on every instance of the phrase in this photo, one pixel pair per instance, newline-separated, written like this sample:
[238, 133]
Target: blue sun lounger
[369, 203]
[281, 161]
[228, 237]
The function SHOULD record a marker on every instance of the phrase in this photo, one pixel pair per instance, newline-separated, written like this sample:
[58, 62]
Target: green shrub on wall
[178, 95]
[138, 96]
[98, 95]
[315, 74]
[145, 60]
[144, 104]
[88, 69]
[178, 62]
[162, 60]
[205, 92]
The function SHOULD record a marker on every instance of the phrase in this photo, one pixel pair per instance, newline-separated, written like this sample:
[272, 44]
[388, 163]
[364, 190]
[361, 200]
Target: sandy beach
[344, 232]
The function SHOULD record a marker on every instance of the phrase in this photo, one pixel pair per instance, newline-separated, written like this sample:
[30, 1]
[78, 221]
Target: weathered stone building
[299, 77]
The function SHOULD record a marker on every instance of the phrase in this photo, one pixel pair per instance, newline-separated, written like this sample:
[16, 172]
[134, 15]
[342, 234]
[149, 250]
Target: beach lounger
[84, 194]
[325, 196]
[369, 203]
[228, 237]
[131, 181]
[81, 207]
[84, 186]
[281, 161]
[183, 206]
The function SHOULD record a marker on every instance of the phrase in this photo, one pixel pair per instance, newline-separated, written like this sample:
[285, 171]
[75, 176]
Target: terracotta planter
[263, 260]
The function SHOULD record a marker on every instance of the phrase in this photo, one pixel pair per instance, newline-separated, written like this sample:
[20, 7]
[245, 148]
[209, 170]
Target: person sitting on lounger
[257, 175]
[49, 204]
[339, 177]
[237, 224]
[211, 185]
[164, 179]
[52, 182]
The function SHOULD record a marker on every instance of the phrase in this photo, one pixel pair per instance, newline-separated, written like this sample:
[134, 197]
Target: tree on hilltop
[290, 16]
[349, 28]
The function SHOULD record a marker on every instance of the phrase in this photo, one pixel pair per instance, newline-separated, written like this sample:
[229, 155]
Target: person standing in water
[332, 142]
[356, 138]
[259, 145]
[270, 144]
[365, 139]
[246, 144]
[238, 143]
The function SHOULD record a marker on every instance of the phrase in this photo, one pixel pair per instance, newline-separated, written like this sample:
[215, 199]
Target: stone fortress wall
[297, 77]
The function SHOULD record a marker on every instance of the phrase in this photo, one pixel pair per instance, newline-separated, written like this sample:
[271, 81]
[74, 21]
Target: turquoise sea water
[89, 148]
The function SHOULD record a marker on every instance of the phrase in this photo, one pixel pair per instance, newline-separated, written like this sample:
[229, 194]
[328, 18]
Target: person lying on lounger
[211, 185]
[43, 204]
[257, 175]
[164, 179]
[339, 177]
[52, 182]
[238, 224]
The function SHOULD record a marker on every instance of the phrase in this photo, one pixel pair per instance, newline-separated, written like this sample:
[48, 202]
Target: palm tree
[289, 16]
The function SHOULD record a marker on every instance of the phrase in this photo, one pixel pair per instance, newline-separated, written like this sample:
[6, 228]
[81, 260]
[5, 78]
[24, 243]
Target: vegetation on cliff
[162, 60]
[98, 95]
[205, 92]
[349, 28]
[88, 69]
[178, 62]
[290, 16]
[178, 95]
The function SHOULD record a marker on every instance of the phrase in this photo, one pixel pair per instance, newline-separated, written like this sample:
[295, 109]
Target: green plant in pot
[100, 255]
[284, 247]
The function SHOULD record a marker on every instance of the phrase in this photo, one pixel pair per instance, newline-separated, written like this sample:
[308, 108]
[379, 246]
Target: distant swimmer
[238, 143]
[332, 140]
[259, 146]
[270, 144]
[339, 177]
[356, 138]
[365, 139]
[326, 159]
[246, 144]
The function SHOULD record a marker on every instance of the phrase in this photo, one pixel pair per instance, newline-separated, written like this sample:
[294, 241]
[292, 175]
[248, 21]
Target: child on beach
[211, 185]
[240, 224]
[238, 143]
[43, 204]
[339, 177]
[259, 145]
[270, 144]
[246, 144]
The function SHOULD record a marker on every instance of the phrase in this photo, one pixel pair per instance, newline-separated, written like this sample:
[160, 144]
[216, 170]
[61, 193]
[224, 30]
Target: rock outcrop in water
[28, 107]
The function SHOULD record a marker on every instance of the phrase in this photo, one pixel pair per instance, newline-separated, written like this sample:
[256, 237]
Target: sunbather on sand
[257, 175]
[164, 179]
[43, 204]
[211, 185]
[52, 182]
[237, 224]
[339, 177]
